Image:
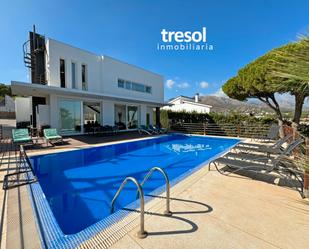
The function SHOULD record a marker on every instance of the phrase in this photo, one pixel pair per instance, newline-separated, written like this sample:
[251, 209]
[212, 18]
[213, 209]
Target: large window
[92, 113]
[129, 85]
[62, 73]
[132, 117]
[74, 83]
[70, 115]
[84, 77]
[92, 116]
[120, 83]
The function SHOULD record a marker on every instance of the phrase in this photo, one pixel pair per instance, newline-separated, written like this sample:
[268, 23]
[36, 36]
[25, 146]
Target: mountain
[222, 104]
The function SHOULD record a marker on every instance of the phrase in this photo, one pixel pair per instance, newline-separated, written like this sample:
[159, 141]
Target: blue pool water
[79, 185]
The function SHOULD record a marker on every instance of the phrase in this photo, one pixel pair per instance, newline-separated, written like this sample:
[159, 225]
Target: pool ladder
[140, 193]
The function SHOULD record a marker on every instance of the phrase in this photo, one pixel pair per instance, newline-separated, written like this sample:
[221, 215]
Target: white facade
[99, 97]
[187, 104]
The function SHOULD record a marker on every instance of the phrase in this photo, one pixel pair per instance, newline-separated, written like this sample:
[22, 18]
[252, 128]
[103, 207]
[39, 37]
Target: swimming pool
[76, 187]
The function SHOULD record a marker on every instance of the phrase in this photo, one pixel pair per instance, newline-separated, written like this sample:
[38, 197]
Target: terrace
[210, 210]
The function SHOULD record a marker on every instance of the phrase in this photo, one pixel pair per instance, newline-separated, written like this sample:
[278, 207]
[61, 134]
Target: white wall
[108, 113]
[57, 50]
[54, 112]
[113, 69]
[23, 109]
[103, 73]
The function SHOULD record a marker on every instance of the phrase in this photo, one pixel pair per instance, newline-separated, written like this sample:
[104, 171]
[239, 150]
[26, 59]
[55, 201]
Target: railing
[142, 233]
[233, 130]
[167, 212]
[22, 167]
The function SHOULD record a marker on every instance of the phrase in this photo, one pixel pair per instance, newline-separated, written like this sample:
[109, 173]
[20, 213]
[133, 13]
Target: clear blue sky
[240, 30]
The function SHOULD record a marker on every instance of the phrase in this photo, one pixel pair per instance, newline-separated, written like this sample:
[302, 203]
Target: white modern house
[71, 88]
[187, 104]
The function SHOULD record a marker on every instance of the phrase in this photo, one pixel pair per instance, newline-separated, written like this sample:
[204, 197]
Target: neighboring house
[187, 104]
[72, 88]
[7, 107]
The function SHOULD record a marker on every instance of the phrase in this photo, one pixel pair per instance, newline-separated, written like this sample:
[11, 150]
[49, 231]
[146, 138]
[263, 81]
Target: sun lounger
[154, 129]
[237, 165]
[248, 157]
[51, 136]
[143, 129]
[278, 144]
[21, 136]
[252, 160]
[160, 130]
[272, 133]
[274, 150]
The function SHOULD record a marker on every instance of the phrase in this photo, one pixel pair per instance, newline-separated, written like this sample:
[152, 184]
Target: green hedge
[169, 117]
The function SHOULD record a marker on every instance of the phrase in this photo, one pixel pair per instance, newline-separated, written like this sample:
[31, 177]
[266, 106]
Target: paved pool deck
[210, 210]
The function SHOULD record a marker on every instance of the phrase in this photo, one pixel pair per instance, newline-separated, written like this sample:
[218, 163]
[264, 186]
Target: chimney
[197, 96]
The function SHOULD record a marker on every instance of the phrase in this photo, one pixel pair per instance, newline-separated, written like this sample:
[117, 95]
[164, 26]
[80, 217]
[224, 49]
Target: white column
[150, 111]
[108, 113]
[54, 112]
[143, 111]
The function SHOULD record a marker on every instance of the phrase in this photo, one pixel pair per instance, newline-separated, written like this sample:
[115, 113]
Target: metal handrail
[167, 212]
[142, 233]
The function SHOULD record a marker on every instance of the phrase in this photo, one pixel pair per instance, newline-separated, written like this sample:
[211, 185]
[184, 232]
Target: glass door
[70, 115]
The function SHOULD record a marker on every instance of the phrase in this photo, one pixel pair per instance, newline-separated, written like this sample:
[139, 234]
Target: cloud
[183, 85]
[170, 83]
[219, 93]
[204, 84]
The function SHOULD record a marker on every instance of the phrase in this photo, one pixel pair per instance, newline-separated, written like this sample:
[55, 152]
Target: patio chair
[21, 136]
[51, 136]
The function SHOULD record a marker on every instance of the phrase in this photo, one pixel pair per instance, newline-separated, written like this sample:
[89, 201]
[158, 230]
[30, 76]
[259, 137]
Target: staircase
[33, 50]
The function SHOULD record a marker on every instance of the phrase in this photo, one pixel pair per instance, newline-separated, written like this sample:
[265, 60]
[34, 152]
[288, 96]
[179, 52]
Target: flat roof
[30, 89]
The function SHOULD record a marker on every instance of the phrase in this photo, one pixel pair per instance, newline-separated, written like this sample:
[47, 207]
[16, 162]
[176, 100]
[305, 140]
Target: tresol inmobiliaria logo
[184, 40]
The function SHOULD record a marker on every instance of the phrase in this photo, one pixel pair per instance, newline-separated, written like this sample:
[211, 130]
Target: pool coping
[50, 232]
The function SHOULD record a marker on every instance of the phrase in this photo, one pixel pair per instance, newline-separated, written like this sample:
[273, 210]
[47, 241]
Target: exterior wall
[102, 73]
[188, 107]
[108, 113]
[113, 69]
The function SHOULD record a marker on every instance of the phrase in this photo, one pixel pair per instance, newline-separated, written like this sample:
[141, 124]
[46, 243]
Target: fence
[232, 130]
